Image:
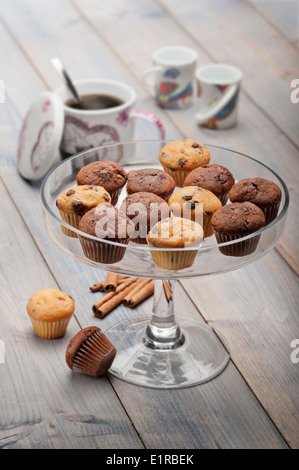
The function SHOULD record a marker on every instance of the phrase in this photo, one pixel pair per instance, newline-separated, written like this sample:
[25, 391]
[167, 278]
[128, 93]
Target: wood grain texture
[162, 29]
[223, 413]
[43, 404]
[234, 32]
[282, 15]
[188, 427]
[260, 324]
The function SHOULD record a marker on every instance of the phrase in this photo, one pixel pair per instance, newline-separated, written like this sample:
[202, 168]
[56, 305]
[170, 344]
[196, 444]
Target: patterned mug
[173, 70]
[85, 129]
[218, 87]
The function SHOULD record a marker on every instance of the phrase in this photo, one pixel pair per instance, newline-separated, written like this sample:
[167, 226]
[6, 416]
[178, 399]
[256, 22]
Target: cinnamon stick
[167, 290]
[111, 282]
[98, 287]
[136, 293]
[112, 299]
[142, 294]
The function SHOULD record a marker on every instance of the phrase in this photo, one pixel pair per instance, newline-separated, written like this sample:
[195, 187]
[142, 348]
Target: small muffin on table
[90, 352]
[175, 232]
[145, 210]
[76, 201]
[108, 174]
[263, 193]
[50, 311]
[216, 178]
[196, 204]
[105, 222]
[150, 180]
[235, 221]
[180, 157]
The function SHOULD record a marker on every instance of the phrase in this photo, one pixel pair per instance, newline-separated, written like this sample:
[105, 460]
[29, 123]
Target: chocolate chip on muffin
[216, 178]
[108, 174]
[180, 157]
[263, 193]
[150, 180]
[235, 221]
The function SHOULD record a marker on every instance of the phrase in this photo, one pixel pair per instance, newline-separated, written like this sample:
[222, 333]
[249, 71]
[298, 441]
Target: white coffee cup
[85, 129]
[218, 87]
[173, 71]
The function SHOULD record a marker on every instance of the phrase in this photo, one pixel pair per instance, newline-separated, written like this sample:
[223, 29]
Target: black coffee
[95, 102]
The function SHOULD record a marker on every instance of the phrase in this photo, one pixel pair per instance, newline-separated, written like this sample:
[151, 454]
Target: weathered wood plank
[189, 427]
[161, 29]
[43, 404]
[256, 430]
[282, 14]
[234, 32]
[260, 324]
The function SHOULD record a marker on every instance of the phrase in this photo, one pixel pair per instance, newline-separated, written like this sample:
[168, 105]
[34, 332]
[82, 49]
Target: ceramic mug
[218, 87]
[173, 71]
[85, 129]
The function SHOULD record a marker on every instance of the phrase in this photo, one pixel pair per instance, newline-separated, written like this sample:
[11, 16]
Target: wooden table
[254, 402]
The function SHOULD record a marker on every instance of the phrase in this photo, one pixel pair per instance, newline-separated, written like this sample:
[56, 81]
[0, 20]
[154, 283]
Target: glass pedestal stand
[166, 350]
[161, 352]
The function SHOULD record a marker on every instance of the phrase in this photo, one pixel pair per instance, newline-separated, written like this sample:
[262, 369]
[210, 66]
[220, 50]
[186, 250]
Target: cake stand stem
[163, 332]
[158, 352]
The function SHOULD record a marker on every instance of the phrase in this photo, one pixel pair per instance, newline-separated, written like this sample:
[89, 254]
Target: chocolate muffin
[105, 223]
[150, 180]
[90, 352]
[145, 209]
[235, 221]
[216, 178]
[263, 193]
[108, 174]
[180, 157]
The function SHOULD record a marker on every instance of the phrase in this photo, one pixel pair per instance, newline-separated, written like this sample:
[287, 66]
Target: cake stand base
[198, 356]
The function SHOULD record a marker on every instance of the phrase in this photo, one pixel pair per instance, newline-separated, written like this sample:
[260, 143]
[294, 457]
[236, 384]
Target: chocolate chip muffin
[145, 210]
[235, 221]
[180, 157]
[105, 222]
[216, 178]
[263, 193]
[108, 174]
[150, 180]
[90, 352]
[76, 201]
[197, 204]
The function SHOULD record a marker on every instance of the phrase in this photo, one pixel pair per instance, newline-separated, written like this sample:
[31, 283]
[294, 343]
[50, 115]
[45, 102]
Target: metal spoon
[56, 62]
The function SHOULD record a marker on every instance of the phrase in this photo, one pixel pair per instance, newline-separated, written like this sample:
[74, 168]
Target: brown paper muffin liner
[174, 260]
[101, 252]
[178, 176]
[71, 219]
[271, 212]
[114, 196]
[242, 248]
[50, 330]
[207, 227]
[95, 355]
[224, 198]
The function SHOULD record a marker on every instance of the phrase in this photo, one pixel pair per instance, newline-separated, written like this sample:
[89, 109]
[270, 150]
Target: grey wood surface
[254, 402]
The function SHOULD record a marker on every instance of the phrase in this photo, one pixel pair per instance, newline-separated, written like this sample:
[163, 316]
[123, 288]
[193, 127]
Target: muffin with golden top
[50, 311]
[76, 201]
[197, 204]
[175, 232]
[180, 157]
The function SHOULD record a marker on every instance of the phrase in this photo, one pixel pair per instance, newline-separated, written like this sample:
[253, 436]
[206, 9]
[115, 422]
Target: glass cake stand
[159, 351]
